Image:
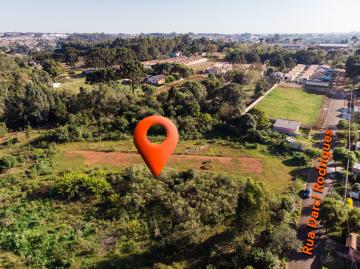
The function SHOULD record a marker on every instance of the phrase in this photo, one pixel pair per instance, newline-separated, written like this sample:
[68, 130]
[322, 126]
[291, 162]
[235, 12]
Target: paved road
[337, 108]
[302, 261]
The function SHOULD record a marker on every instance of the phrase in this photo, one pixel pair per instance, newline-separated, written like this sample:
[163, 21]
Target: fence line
[249, 107]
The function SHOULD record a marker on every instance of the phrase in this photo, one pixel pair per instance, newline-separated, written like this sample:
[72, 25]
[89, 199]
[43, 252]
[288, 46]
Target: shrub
[263, 259]
[81, 184]
[41, 245]
[312, 152]
[41, 167]
[170, 79]
[148, 89]
[356, 187]
[3, 129]
[7, 162]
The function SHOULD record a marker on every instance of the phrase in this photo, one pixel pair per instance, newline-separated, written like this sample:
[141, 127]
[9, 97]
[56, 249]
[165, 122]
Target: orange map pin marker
[155, 155]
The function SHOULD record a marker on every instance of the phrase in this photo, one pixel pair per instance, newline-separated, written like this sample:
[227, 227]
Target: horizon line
[184, 33]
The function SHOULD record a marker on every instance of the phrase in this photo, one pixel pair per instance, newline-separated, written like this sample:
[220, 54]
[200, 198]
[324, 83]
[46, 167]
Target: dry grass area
[124, 159]
[220, 158]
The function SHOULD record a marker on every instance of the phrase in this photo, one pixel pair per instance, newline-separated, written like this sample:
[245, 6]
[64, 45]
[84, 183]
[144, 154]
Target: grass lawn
[292, 104]
[72, 84]
[226, 158]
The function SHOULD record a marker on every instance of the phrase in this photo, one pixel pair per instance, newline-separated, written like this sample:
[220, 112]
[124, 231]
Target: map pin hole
[156, 134]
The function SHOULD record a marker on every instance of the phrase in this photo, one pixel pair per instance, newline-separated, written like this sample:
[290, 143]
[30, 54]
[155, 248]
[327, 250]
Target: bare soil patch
[244, 164]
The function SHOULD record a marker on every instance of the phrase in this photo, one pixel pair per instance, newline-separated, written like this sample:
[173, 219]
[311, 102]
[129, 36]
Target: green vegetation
[74, 193]
[72, 85]
[62, 225]
[233, 160]
[292, 104]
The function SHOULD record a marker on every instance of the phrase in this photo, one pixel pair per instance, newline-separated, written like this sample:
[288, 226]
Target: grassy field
[225, 159]
[72, 84]
[292, 104]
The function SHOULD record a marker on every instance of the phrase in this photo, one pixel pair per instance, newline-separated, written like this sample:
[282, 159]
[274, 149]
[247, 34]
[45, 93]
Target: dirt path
[244, 164]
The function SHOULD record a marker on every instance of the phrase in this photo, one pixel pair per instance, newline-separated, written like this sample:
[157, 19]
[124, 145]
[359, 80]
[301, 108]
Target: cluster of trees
[198, 109]
[237, 56]
[198, 216]
[281, 58]
[175, 209]
[144, 47]
[353, 67]
[343, 126]
[132, 70]
[339, 217]
[174, 69]
[106, 53]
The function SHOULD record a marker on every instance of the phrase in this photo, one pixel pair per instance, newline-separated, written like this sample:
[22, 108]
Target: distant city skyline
[200, 16]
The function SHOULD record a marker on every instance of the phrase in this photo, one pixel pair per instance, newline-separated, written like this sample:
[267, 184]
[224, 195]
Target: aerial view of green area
[155, 135]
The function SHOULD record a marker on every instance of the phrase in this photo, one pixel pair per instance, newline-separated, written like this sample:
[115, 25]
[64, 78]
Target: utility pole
[349, 147]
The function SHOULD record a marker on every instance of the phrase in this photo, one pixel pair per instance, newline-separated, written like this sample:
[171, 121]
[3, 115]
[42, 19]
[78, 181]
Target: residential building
[321, 77]
[156, 80]
[293, 73]
[188, 61]
[287, 126]
[219, 68]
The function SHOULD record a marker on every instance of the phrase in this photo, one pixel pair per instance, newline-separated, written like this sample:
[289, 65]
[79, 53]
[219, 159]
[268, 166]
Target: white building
[287, 126]
[157, 80]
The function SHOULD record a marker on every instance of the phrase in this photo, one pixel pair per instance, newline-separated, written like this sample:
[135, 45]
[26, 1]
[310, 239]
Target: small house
[156, 80]
[287, 126]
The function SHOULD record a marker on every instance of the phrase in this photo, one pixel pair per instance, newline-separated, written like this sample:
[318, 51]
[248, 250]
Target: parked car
[307, 192]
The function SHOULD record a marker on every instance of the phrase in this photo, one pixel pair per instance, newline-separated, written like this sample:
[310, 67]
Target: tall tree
[132, 70]
[252, 208]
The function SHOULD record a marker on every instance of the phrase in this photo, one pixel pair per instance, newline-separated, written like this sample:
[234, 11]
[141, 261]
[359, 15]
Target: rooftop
[287, 124]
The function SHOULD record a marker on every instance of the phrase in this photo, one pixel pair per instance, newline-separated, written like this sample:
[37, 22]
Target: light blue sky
[222, 16]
